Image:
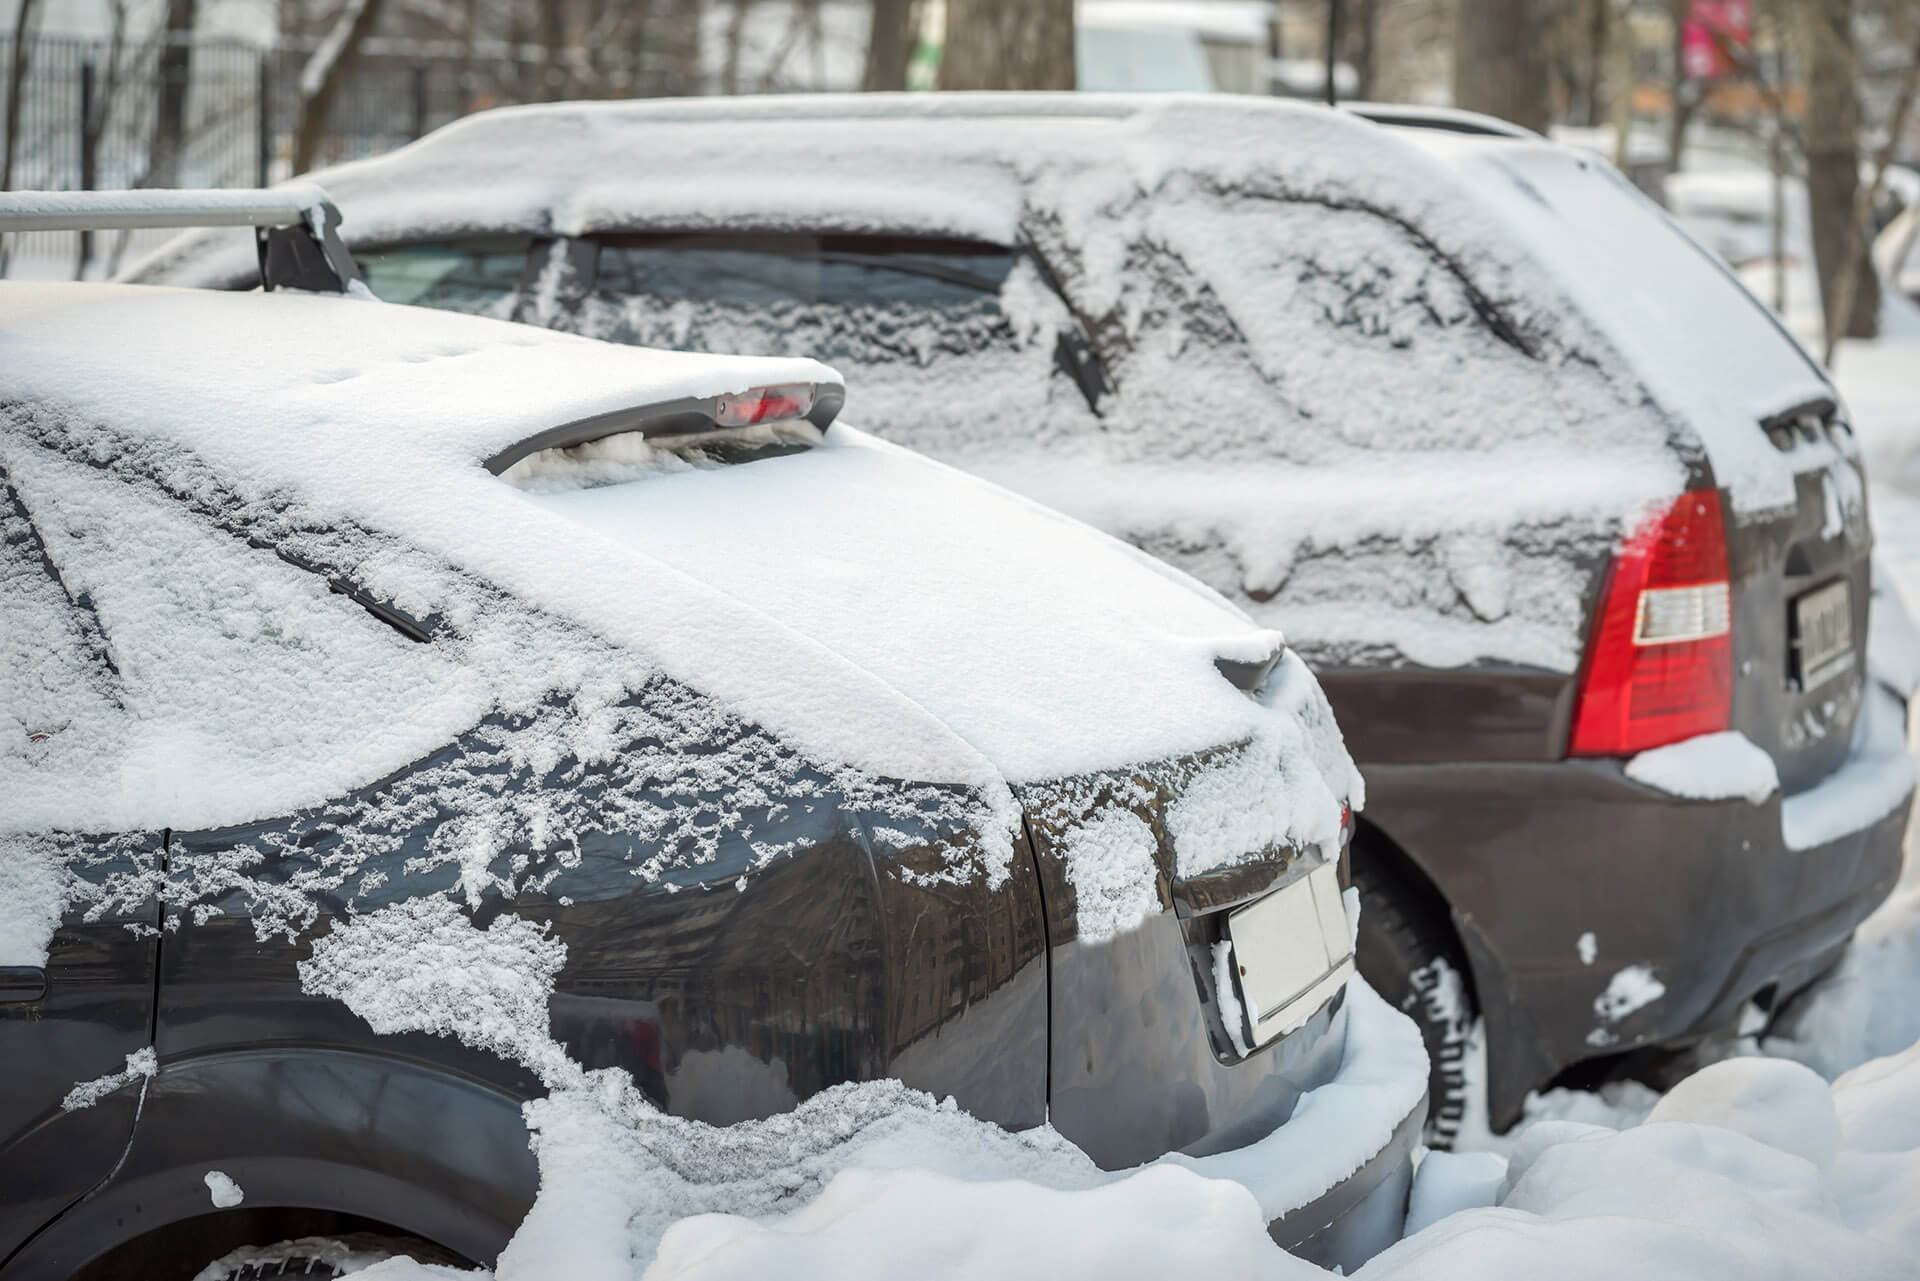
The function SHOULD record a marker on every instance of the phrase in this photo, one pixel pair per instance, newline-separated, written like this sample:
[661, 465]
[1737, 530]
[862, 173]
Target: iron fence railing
[88, 113]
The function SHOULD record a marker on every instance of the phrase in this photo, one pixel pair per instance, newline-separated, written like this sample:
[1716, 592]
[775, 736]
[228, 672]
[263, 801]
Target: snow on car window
[917, 319]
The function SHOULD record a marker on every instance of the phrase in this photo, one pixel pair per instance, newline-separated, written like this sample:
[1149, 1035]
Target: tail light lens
[1661, 666]
[764, 405]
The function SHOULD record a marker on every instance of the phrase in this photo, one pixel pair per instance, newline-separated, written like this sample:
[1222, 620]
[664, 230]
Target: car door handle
[20, 983]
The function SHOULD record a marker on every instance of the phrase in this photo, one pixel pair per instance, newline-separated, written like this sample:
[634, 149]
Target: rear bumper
[1333, 1179]
[1602, 916]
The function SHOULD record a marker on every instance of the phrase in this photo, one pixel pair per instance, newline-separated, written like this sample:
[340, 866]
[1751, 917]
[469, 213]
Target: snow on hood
[784, 588]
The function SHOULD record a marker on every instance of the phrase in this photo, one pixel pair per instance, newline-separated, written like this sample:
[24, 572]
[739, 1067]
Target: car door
[78, 944]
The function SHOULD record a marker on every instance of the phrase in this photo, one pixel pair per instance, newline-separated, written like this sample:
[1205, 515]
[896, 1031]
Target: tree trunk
[1366, 56]
[323, 75]
[1684, 93]
[1833, 165]
[22, 52]
[170, 110]
[1498, 64]
[1008, 44]
[890, 44]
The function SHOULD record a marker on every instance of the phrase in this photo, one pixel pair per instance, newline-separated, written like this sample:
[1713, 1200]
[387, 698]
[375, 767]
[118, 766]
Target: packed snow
[1711, 767]
[223, 1191]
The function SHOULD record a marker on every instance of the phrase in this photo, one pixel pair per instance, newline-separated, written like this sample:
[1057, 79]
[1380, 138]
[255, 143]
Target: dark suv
[786, 756]
[1574, 535]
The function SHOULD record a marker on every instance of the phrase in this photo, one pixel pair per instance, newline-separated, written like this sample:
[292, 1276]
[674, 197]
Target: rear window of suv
[951, 337]
[851, 298]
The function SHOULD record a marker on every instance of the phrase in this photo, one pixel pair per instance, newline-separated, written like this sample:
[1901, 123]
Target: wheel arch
[1514, 1063]
[406, 1147]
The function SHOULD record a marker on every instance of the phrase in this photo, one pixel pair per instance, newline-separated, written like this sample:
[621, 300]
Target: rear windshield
[1690, 327]
[934, 337]
[853, 298]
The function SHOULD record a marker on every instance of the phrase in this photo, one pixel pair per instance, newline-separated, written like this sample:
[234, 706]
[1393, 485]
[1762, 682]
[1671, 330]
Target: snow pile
[1864, 1009]
[1752, 1167]
[1710, 767]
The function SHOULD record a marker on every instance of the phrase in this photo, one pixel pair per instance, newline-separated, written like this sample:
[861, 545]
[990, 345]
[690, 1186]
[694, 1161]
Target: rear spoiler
[816, 403]
[296, 227]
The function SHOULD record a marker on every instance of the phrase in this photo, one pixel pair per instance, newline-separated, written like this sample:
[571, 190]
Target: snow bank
[1710, 767]
[1752, 1167]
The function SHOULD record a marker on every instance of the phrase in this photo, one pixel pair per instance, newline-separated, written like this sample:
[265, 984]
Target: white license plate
[1823, 634]
[1293, 951]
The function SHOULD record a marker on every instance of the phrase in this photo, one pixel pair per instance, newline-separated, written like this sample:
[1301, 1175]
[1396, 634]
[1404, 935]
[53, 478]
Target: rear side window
[481, 276]
[928, 333]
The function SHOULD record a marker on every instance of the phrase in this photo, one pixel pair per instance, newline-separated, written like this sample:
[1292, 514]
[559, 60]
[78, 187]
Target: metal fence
[87, 110]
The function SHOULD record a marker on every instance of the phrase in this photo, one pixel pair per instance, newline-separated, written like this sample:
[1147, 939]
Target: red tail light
[1661, 667]
[763, 405]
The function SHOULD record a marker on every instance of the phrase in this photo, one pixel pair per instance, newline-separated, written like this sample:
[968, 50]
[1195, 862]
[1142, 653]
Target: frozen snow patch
[1111, 867]
[33, 892]
[1875, 780]
[422, 966]
[1631, 989]
[225, 1192]
[1709, 767]
[141, 1065]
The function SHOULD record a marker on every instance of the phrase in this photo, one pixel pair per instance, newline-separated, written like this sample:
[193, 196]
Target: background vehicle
[770, 822]
[1447, 403]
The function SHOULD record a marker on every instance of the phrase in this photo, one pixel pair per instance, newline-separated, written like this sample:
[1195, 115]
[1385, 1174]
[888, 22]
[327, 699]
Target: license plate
[1823, 634]
[1293, 951]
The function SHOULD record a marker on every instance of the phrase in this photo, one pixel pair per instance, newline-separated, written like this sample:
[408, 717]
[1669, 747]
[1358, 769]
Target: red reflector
[763, 405]
[1660, 667]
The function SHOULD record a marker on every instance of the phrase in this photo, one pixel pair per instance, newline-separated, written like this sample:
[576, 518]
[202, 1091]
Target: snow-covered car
[1574, 535]
[369, 674]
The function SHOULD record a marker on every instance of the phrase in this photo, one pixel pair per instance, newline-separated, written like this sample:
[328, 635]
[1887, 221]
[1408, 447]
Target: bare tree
[890, 44]
[16, 78]
[1833, 165]
[1857, 275]
[321, 78]
[1685, 93]
[1497, 63]
[17, 71]
[1008, 44]
[170, 107]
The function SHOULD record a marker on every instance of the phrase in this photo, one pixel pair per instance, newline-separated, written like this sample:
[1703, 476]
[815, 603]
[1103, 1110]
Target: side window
[929, 333]
[479, 276]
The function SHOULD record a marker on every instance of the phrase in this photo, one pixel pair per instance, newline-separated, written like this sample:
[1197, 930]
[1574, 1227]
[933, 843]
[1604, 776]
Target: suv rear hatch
[1755, 417]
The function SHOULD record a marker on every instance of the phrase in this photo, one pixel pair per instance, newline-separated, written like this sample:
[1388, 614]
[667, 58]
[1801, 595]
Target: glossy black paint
[96, 1009]
[1142, 1062]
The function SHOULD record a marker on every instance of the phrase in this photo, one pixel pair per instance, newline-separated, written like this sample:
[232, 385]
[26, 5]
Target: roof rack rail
[296, 227]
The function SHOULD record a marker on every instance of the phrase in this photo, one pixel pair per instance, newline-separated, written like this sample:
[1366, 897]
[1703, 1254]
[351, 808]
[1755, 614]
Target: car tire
[321, 1257]
[1410, 954]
